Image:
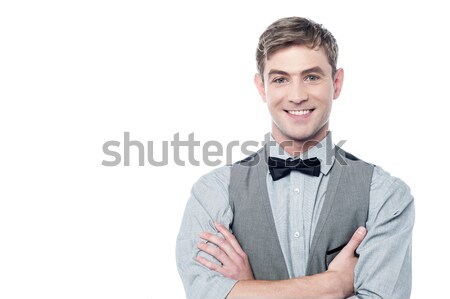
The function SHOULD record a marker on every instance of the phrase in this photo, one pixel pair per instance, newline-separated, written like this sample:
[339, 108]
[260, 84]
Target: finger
[355, 241]
[220, 242]
[213, 266]
[215, 252]
[230, 238]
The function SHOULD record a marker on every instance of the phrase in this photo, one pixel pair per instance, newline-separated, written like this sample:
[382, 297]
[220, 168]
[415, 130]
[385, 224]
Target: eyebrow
[315, 69]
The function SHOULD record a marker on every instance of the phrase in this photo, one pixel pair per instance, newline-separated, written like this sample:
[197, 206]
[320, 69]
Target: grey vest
[345, 208]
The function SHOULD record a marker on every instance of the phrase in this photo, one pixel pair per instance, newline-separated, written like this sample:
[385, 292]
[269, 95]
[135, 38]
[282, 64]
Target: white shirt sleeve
[208, 202]
[384, 265]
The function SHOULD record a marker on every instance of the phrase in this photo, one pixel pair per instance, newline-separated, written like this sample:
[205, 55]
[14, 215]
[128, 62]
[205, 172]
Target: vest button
[296, 234]
[296, 190]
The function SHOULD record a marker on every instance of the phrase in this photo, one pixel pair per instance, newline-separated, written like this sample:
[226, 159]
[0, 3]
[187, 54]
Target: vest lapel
[332, 187]
[263, 194]
[253, 224]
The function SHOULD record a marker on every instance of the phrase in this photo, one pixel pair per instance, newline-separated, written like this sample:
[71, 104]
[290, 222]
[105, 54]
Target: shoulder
[388, 194]
[349, 158]
[381, 179]
[251, 160]
[209, 197]
[386, 184]
[212, 187]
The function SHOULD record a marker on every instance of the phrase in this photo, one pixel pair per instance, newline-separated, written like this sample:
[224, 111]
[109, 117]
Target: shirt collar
[324, 151]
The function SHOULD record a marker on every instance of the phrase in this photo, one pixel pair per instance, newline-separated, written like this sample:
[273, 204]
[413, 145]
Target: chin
[307, 136]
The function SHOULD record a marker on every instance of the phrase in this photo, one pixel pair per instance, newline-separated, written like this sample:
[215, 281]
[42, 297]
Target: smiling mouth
[300, 112]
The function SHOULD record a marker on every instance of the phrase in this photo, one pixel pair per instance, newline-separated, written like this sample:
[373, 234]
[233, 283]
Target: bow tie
[280, 168]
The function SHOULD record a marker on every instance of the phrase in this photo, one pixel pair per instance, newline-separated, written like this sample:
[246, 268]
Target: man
[286, 221]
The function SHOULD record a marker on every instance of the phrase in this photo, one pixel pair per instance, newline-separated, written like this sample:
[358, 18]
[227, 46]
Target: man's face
[299, 89]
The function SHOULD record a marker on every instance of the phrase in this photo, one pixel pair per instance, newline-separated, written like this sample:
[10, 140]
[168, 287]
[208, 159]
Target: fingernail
[200, 244]
[361, 230]
[217, 224]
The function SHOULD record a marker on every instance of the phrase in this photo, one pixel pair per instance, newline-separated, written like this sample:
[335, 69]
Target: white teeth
[299, 112]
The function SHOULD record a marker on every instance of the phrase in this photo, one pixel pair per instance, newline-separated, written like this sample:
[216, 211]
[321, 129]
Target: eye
[311, 78]
[280, 80]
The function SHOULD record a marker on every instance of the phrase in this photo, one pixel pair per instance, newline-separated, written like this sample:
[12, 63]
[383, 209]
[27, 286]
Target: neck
[297, 147]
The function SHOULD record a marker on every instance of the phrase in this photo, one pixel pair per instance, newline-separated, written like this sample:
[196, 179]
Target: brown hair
[292, 31]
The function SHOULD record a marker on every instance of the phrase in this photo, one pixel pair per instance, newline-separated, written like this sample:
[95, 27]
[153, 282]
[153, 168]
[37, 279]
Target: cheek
[325, 96]
[275, 96]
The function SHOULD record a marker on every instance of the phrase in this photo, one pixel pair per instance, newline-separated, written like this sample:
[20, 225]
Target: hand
[235, 264]
[344, 263]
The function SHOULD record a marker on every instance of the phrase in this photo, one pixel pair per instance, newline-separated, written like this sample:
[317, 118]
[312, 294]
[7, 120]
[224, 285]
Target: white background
[75, 74]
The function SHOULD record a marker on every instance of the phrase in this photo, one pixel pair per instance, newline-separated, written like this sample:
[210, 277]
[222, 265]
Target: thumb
[355, 241]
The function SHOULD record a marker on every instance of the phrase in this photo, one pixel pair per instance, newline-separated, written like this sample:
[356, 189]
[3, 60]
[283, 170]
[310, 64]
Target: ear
[259, 83]
[338, 82]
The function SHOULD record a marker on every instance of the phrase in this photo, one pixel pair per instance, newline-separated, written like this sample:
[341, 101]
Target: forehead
[295, 59]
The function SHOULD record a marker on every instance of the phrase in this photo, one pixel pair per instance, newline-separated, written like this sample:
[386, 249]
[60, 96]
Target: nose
[298, 93]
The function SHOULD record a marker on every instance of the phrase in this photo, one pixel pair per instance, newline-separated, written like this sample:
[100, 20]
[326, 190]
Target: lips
[300, 112]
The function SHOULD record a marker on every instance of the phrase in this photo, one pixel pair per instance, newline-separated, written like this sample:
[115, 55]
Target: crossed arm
[383, 269]
[336, 282]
